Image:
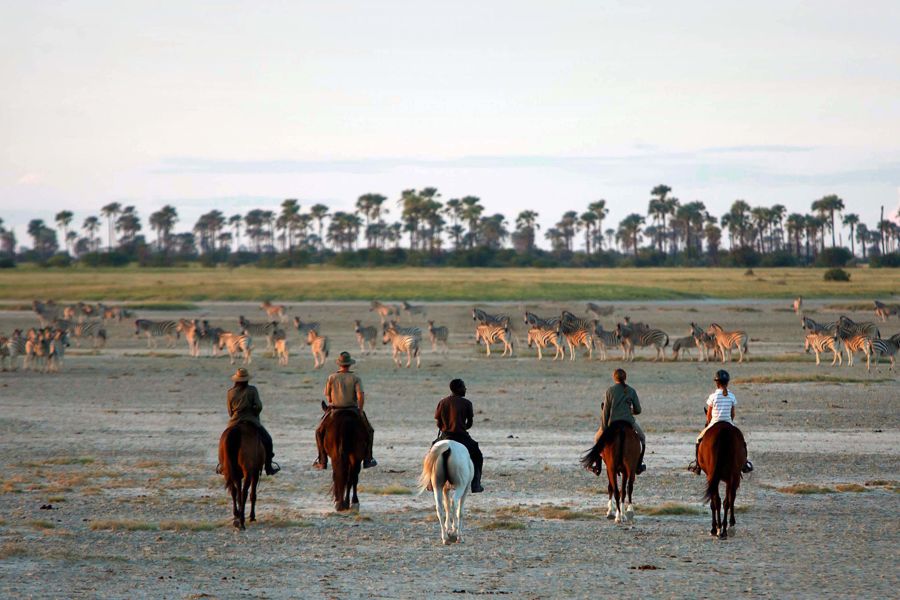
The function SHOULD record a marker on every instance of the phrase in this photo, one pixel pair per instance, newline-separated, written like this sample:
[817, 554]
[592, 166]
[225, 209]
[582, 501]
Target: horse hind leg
[629, 508]
[235, 488]
[245, 492]
[610, 514]
[253, 485]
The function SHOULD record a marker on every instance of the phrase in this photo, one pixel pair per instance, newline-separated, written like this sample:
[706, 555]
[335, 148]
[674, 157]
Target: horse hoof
[723, 535]
[252, 519]
[610, 516]
[446, 542]
[713, 532]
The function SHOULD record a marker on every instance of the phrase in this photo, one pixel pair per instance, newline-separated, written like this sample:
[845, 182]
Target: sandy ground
[122, 445]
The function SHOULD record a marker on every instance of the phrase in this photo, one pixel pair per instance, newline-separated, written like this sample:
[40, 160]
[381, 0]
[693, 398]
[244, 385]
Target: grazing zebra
[78, 311]
[5, 354]
[598, 311]
[705, 342]
[632, 337]
[318, 344]
[304, 326]
[726, 340]
[798, 304]
[366, 335]
[89, 329]
[192, 334]
[683, 345]
[607, 339]
[488, 319]
[47, 312]
[578, 332]
[438, 334]
[108, 313]
[384, 310]
[237, 344]
[265, 330]
[414, 309]
[401, 342]
[494, 334]
[533, 320]
[154, 329]
[884, 311]
[274, 311]
[57, 351]
[857, 343]
[636, 326]
[829, 328]
[541, 337]
[413, 331]
[848, 327]
[888, 347]
[820, 343]
[281, 351]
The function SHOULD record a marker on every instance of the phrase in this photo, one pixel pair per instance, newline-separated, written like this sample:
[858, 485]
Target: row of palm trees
[669, 227]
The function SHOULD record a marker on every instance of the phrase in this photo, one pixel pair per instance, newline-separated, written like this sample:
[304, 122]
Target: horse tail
[446, 456]
[231, 471]
[429, 463]
[723, 449]
[340, 469]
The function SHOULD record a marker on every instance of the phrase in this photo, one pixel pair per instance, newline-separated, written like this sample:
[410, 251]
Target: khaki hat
[344, 360]
[241, 375]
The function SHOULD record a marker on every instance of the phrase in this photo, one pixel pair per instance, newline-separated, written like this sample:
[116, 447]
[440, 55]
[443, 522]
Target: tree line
[426, 230]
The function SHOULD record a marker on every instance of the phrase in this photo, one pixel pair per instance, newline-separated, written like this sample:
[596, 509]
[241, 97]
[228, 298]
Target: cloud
[28, 179]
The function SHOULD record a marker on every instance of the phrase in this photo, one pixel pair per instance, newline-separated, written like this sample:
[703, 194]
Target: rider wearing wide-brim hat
[244, 406]
[719, 408]
[344, 391]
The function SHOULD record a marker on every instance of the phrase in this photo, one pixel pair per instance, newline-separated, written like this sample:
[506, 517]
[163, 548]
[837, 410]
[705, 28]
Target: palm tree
[588, 221]
[738, 221]
[235, 222]
[829, 205]
[91, 226]
[567, 226]
[630, 231]
[493, 231]
[63, 220]
[526, 224]
[599, 208]
[287, 220]
[862, 236]
[471, 213]
[319, 212]
[453, 208]
[129, 224]
[110, 211]
[369, 205]
[851, 220]
[795, 227]
[163, 221]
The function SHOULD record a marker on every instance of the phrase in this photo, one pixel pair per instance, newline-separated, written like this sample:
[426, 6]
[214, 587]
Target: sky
[529, 105]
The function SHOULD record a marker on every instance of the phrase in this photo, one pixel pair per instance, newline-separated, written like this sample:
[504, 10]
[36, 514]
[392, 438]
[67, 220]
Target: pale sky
[540, 105]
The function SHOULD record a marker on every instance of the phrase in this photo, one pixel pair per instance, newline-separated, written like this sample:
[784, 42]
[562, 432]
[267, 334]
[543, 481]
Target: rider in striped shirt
[719, 407]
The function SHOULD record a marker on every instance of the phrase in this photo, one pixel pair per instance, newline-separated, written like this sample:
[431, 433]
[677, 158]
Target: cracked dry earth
[107, 486]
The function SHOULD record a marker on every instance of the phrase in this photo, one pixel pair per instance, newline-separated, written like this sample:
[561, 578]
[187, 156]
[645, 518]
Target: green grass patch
[852, 306]
[503, 525]
[388, 490]
[810, 378]
[285, 523]
[668, 509]
[69, 460]
[805, 488]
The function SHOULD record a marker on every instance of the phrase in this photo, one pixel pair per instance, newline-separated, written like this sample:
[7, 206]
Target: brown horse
[242, 457]
[620, 448]
[721, 455]
[345, 444]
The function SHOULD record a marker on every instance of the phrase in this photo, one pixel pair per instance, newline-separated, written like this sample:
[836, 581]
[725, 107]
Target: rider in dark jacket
[454, 416]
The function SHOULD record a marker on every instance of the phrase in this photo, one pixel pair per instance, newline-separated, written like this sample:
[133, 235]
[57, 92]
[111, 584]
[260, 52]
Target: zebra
[237, 344]
[541, 337]
[705, 343]
[192, 334]
[533, 320]
[636, 326]
[274, 311]
[848, 327]
[281, 351]
[820, 343]
[5, 354]
[798, 305]
[884, 311]
[304, 326]
[401, 342]
[47, 312]
[494, 334]
[888, 347]
[394, 326]
[318, 344]
[108, 313]
[726, 340]
[78, 311]
[37, 350]
[598, 311]
[632, 337]
[89, 329]
[265, 330]
[857, 343]
[812, 326]
[683, 345]
[606, 339]
[413, 309]
[577, 332]
[153, 329]
[384, 310]
[16, 346]
[57, 351]
[438, 334]
[211, 334]
[488, 319]
[366, 336]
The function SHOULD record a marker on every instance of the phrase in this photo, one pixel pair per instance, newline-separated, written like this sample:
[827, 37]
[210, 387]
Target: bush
[836, 275]
[105, 259]
[782, 258]
[891, 260]
[7, 262]
[59, 260]
[833, 257]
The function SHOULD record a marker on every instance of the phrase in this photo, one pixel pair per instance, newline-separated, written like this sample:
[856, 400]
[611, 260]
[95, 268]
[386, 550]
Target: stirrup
[272, 468]
[641, 468]
[747, 468]
[369, 463]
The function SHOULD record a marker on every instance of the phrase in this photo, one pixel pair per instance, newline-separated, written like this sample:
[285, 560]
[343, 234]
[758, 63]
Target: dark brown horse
[345, 444]
[620, 448]
[721, 455]
[242, 457]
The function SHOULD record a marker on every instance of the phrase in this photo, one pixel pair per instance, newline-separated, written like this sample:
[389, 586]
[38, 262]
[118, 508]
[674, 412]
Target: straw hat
[241, 375]
[344, 360]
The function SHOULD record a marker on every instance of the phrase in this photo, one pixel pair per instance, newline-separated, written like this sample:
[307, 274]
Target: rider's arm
[469, 417]
[328, 389]
[732, 413]
[360, 395]
[636, 405]
[607, 408]
[708, 414]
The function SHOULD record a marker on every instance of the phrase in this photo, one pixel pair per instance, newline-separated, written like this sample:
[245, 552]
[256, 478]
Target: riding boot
[641, 466]
[321, 461]
[694, 467]
[271, 467]
[476, 482]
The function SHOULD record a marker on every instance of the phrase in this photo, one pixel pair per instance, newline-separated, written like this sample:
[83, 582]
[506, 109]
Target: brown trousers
[320, 434]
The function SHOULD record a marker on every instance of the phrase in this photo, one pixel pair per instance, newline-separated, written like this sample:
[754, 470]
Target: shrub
[105, 259]
[885, 260]
[836, 274]
[833, 257]
[59, 260]
[7, 262]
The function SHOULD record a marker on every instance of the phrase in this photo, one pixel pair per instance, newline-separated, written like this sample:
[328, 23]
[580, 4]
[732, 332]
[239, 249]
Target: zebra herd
[847, 336]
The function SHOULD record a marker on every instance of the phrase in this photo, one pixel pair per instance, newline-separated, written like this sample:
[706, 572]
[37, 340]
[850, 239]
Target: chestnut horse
[345, 444]
[242, 456]
[620, 448]
[721, 455]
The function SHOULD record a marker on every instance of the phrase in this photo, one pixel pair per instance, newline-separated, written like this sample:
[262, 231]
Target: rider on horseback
[454, 417]
[719, 407]
[622, 404]
[244, 406]
[344, 391]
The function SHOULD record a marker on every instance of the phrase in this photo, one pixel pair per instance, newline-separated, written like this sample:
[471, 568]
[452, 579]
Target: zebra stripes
[384, 310]
[303, 327]
[318, 345]
[888, 347]
[264, 330]
[486, 318]
[155, 329]
[820, 343]
[281, 351]
[632, 337]
[413, 331]
[47, 312]
[533, 320]
[89, 329]
[705, 342]
[365, 336]
[236, 344]
[541, 337]
[274, 312]
[726, 340]
[884, 311]
[857, 343]
[438, 334]
[578, 332]
[604, 339]
[414, 309]
[829, 328]
[848, 327]
[400, 343]
[683, 345]
[494, 334]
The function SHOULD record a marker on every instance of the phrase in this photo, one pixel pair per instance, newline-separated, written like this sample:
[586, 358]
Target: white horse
[449, 469]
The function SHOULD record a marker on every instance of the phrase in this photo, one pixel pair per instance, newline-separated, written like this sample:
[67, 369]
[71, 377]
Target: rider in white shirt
[719, 407]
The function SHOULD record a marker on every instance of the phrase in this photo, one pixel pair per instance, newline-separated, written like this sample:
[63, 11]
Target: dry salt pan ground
[108, 487]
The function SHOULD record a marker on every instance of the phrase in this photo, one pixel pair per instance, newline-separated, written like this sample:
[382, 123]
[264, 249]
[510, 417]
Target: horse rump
[440, 449]
[229, 447]
[592, 459]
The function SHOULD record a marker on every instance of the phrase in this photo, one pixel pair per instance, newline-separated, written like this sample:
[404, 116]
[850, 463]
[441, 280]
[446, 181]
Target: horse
[721, 455]
[345, 444]
[449, 469]
[620, 448]
[242, 457]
